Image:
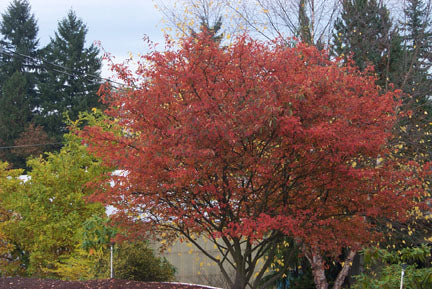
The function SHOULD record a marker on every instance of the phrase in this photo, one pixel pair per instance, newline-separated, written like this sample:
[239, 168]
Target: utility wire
[63, 69]
[30, 145]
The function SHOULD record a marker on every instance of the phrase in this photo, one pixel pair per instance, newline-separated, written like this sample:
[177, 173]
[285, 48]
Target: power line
[63, 69]
[30, 145]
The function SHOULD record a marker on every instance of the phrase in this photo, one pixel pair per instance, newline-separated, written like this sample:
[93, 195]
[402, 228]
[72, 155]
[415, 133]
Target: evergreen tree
[15, 114]
[364, 30]
[213, 30]
[19, 33]
[415, 128]
[74, 87]
[18, 80]
[418, 49]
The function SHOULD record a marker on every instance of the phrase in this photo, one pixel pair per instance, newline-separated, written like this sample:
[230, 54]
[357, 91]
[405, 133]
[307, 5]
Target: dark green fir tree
[417, 36]
[70, 86]
[364, 31]
[19, 30]
[416, 82]
[15, 114]
[18, 77]
[212, 29]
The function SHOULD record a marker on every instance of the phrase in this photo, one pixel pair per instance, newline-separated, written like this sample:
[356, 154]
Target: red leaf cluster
[253, 138]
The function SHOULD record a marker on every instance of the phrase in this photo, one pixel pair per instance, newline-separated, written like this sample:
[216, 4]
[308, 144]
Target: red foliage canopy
[250, 139]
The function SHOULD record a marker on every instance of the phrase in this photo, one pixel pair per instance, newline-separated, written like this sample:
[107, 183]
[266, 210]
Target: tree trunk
[239, 282]
[318, 268]
[345, 269]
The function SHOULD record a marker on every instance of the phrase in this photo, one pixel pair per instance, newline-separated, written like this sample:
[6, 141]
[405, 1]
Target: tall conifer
[18, 80]
[71, 86]
[364, 30]
[415, 128]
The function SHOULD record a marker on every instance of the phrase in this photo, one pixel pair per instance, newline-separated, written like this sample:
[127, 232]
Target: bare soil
[31, 283]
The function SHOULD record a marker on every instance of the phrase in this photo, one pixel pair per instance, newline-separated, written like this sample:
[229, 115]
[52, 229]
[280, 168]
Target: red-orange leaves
[252, 139]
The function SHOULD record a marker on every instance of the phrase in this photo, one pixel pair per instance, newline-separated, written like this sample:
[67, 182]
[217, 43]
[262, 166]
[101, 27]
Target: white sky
[118, 24]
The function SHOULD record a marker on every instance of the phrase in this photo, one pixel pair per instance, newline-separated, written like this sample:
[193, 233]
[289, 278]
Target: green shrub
[136, 261]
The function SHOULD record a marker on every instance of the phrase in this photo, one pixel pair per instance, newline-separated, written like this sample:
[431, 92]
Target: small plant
[136, 261]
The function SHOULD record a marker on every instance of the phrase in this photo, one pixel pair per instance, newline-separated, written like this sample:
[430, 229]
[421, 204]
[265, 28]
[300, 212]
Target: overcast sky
[119, 24]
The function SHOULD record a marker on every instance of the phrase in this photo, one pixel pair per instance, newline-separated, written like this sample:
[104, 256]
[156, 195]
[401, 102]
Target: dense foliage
[45, 213]
[136, 261]
[250, 142]
[383, 268]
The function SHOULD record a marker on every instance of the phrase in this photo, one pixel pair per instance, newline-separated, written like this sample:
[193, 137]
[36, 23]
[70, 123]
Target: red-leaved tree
[249, 143]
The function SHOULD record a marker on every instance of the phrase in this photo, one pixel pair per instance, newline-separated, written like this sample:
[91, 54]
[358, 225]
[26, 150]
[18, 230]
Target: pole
[111, 261]
[402, 275]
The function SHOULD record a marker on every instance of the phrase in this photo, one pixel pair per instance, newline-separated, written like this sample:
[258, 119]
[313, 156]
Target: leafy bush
[136, 261]
[383, 269]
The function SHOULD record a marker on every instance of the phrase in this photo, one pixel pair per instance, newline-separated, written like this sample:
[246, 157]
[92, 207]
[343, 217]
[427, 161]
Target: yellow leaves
[280, 262]
[379, 160]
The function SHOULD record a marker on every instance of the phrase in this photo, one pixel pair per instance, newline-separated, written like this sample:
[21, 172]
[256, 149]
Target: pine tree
[365, 32]
[213, 30]
[18, 77]
[415, 128]
[15, 114]
[73, 88]
[19, 34]
[418, 49]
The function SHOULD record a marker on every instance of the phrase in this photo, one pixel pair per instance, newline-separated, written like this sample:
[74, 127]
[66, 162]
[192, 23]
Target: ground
[30, 283]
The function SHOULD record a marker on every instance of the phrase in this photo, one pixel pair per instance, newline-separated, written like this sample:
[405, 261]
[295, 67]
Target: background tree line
[39, 85]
